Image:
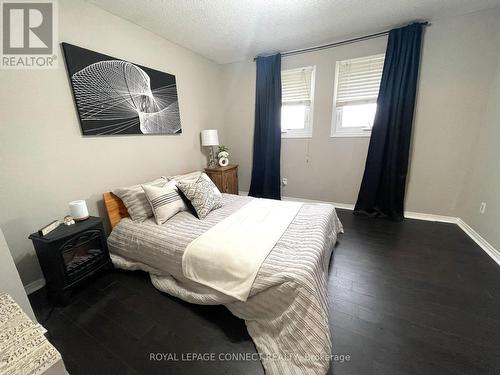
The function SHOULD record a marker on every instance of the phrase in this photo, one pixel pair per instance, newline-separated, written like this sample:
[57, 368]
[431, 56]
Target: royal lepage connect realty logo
[28, 35]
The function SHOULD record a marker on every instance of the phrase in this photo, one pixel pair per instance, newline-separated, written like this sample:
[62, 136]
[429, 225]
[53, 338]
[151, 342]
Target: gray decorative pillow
[134, 198]
[202, 196]
[216, 189]
[193, 177]
[165, 201]
[187, 177]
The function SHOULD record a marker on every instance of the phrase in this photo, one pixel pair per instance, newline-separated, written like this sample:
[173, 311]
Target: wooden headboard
[115, 208]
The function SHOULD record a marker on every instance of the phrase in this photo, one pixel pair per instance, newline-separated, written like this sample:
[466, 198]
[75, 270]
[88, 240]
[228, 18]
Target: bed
[286, 312]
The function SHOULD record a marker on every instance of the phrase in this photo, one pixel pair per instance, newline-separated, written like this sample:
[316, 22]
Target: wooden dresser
[225, 178]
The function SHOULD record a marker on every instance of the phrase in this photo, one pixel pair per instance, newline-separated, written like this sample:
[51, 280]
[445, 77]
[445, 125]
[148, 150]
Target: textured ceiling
[234, 30]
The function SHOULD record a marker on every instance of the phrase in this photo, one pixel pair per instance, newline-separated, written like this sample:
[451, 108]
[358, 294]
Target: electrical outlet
[482, 208]
[284, 181]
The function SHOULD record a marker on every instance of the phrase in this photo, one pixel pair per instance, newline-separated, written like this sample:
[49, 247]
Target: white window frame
[308, 123]
[336, 129]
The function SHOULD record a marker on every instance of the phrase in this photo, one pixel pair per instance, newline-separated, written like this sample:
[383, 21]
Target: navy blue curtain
[267, 136]
[383, 187]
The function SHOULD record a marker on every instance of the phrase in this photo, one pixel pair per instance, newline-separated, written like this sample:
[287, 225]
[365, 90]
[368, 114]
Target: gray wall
[10, 282]
[483, 179]
[44, 160]
[458, 61]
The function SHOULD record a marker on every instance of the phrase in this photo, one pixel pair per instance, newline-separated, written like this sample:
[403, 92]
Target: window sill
[351, 135]
[296, 135]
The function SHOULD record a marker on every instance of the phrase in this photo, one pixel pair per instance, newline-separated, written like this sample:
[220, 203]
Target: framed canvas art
[114, 96]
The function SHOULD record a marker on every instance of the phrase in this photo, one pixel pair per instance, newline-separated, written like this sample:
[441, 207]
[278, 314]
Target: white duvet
[228, 256]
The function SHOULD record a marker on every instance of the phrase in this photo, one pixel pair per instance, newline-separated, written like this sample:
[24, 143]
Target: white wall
[458, 61]
[44, 160]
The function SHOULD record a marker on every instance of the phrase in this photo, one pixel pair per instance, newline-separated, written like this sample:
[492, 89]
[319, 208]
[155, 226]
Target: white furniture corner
[25, 350]
[10, 282]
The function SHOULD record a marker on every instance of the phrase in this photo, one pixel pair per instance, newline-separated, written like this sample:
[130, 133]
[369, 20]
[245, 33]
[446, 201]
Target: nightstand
[225, 178]
[70, 254]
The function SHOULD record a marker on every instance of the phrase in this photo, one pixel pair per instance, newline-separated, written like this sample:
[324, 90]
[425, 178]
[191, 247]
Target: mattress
[287, 310]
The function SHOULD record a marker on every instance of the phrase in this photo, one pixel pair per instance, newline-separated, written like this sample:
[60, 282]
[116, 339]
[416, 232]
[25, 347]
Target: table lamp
[210, 138]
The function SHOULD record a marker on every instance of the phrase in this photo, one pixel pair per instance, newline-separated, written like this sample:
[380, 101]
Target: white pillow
[165, 201]
[188, 177]
[135, 200]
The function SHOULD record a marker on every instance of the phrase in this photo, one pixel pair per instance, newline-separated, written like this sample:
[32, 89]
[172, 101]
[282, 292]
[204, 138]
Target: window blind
[296, 85]
[358, 80]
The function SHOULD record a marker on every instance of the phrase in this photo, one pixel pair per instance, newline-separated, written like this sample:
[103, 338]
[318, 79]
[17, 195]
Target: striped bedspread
[286, 312]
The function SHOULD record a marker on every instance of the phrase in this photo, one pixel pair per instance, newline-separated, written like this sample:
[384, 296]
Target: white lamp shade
[209, 137]
[78, 210]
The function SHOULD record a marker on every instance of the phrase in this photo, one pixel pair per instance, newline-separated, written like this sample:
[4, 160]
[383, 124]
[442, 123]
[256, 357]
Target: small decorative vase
[223, 158]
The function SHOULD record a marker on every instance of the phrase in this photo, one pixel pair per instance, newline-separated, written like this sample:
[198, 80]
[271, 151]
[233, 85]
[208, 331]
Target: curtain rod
[341, 43]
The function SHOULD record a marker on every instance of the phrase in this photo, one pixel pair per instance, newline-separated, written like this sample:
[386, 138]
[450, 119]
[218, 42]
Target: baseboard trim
[431, 217]
[34, 286]
[482, 243]
[476, 237]
[348, 206]
[345, 206]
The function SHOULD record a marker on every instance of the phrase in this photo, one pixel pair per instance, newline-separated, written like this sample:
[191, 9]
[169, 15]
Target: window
[297, 88]
[357, 82]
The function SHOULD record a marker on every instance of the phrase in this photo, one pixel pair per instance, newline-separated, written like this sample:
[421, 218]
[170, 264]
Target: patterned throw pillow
[193, 177]
[134, 198]
[202, 196]
[187, 177]
[165, 201]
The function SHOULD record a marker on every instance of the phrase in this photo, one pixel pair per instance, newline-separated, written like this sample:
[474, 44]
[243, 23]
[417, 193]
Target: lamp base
[211, 158]
[81, 218]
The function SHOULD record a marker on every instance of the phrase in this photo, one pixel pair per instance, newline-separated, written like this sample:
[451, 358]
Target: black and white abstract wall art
[117, 97]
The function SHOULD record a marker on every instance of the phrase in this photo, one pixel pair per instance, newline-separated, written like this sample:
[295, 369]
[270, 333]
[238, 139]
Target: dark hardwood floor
[405, 298]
